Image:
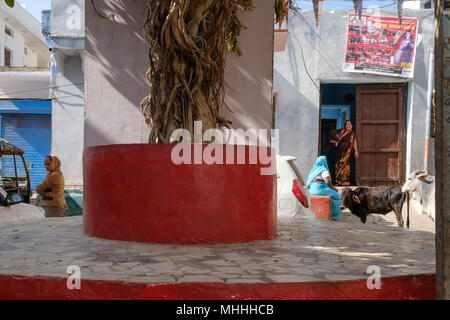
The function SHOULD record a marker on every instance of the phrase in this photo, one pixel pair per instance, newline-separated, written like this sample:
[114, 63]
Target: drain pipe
[429, 103]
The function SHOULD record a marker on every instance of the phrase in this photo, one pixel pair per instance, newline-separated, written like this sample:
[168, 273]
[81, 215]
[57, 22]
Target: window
[9, 31]
[8, 55]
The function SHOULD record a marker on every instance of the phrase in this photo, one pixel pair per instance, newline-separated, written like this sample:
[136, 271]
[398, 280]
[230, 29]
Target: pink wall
[117, 59]
[250, 75]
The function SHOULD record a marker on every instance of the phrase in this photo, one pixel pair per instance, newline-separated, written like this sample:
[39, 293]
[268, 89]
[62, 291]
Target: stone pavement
[305, 250]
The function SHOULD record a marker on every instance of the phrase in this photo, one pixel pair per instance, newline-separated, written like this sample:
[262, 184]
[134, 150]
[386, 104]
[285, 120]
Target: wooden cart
[22, 185]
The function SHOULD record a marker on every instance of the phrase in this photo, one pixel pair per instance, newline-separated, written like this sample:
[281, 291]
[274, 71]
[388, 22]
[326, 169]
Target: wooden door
[380, 133]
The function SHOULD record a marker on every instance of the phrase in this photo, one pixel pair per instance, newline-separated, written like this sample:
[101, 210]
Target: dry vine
[188, 41]
[187, 62]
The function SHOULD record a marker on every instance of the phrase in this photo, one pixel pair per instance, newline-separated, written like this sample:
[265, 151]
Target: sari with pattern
[344, 152]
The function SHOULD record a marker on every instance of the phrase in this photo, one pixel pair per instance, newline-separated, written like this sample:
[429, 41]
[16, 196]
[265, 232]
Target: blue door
[32, 133]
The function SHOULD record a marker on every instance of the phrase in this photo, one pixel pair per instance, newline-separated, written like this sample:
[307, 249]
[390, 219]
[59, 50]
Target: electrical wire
[371, 7]
[111, 16]
[302, 55]
[304, 63]
[388, 5]
[50, 98]
[46, 88]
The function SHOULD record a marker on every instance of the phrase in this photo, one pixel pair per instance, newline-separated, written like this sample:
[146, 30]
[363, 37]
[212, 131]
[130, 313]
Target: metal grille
[31, 133]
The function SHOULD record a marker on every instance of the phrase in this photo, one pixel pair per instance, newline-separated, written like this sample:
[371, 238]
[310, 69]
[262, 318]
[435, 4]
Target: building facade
[67, 82]
[315, 95]
[117, 61]
[25, 104]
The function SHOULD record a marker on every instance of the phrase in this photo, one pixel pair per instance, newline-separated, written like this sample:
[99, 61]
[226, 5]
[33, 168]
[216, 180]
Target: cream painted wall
[322, 50]
[117, 59]
[30, 59]
[16, 45]
[24, 85]
[68, 118]
[27, 32]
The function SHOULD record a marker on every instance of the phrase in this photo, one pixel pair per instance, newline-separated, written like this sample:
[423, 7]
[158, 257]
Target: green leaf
[10, 3]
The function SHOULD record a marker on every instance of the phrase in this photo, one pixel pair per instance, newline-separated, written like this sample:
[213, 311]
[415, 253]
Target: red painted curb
[321, 206]
[415, 287]
[135, 192]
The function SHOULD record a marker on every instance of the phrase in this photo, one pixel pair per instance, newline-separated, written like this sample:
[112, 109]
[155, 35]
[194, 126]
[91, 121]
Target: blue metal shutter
[32, 133]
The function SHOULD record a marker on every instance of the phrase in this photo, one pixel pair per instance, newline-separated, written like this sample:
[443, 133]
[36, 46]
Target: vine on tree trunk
[188, 41]
[187, 63]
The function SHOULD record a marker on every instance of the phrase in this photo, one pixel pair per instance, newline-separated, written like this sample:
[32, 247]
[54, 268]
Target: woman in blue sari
[319, 184]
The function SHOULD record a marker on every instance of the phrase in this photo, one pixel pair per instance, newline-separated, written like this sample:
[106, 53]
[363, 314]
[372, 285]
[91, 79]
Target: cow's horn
[356, 199]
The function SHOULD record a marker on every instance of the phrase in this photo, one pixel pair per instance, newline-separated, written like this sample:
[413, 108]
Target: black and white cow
[381, 200]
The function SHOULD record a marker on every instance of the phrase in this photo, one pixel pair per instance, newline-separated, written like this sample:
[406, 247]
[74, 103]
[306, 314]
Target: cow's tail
[402, 201]
[407, 209]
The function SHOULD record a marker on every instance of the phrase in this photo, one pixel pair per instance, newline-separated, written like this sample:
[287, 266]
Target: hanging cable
[303, 59]
[46, 88]
[111, 16]
[46, 99]
[304, 63]
[53, 98]
[350, 5]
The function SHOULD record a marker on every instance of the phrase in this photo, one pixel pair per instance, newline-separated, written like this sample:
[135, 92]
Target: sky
[36, 6]
[347, 4]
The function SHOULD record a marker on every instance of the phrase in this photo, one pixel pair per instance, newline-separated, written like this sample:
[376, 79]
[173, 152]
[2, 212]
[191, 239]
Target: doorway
[8, 58]
[326, 148]
[377, 112]
[338, 105]
[380, 121]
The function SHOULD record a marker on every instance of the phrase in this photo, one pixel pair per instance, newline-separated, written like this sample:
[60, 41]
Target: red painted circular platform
[135, 192]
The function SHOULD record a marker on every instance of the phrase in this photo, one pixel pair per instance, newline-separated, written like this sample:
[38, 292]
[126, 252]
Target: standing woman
[319, 184]
[346, 148]
[52, 189]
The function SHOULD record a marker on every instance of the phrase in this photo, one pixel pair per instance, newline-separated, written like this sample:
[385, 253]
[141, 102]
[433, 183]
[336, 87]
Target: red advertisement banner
[381, 45]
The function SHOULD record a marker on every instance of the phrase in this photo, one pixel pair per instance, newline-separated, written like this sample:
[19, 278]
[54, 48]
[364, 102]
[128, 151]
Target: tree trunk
[187, 62]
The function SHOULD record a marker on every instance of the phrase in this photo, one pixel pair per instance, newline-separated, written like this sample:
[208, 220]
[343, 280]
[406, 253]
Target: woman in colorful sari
[319, 184]
[346, 148]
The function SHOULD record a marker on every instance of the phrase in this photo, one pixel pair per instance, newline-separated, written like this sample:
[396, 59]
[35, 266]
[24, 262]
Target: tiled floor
[305, 250]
